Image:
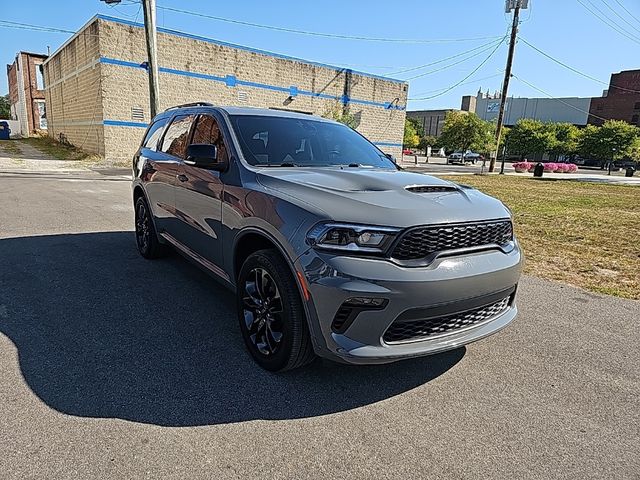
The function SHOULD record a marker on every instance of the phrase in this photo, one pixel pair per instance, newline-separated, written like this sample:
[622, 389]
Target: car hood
[382, 197]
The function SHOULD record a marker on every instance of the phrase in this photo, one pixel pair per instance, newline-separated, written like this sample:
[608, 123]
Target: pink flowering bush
[562, 167]
[572, 167]
[550, 167]
[522, 166]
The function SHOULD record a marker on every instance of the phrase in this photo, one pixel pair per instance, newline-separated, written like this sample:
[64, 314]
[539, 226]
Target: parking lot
[117, 367]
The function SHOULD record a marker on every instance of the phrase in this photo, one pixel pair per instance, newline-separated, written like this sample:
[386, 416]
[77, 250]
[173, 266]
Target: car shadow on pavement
[101, 332]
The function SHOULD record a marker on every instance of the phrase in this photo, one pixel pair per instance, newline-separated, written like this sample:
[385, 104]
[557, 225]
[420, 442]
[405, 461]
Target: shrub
[522, 166]
[572, 167]
[550, 167]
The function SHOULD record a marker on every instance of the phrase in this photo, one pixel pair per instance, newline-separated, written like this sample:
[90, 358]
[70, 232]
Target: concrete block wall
[75, 93]
[193, 69]
[196, 69]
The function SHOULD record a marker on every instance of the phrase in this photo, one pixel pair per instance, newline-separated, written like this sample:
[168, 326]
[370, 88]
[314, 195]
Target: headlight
[351, 238]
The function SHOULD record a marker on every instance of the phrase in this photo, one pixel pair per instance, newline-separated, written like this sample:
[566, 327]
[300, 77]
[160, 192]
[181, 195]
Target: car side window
[208, 131]
[176, 139]
[153, 134]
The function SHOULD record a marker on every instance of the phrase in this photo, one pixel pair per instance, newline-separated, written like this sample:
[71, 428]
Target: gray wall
[571, 109]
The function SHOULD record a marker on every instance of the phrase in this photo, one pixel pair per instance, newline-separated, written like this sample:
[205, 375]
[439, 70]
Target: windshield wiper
[285, 164]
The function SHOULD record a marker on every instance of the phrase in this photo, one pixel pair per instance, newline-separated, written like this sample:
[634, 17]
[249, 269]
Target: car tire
[146, 237]
[271, 315]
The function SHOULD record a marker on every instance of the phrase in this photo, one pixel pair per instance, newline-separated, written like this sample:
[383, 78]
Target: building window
[636, 106]
[634, 119]
[39, 77]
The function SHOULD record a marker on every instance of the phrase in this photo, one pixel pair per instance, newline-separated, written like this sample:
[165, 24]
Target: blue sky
[563, 29]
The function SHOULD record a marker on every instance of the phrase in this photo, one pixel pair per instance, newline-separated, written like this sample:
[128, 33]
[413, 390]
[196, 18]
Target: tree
[411, 138]
[614, 140]
[565, 138]
[338, 113]
[5, 106]
[464, 130]
[427, 141]
[528, 137]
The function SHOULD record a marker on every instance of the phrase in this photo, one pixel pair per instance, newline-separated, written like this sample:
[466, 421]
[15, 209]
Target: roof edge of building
[192, 36]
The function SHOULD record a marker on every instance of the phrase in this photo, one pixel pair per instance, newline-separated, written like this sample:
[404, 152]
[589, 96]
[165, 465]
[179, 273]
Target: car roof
[271, 112]
[230, 110]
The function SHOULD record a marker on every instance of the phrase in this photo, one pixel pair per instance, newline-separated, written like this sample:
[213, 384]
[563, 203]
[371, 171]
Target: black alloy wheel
[263, 311]
[271, 313]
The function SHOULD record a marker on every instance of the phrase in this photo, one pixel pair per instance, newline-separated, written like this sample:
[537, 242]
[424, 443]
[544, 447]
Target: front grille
[402, 331]
[424, 241]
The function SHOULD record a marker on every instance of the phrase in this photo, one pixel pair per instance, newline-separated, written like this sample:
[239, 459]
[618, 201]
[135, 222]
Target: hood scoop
[431, 188]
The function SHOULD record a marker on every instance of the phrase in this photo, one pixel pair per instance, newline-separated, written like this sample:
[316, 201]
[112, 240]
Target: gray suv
[330, 248]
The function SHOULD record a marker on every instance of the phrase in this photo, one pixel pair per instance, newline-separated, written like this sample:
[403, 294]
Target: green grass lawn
[581, 233]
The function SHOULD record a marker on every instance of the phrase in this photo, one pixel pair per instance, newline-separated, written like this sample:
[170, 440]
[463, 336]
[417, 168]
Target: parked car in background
[329, 248]
[407, 151]
[460, 157]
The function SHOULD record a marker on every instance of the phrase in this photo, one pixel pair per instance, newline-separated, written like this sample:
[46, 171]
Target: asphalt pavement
[118, 367]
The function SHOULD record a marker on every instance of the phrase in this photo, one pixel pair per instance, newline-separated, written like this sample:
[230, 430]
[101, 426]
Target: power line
[557, 99]
[430, 72]
[609, 23]
[411, 69]
[618, 15]
[575, 70]
[457, 84]
[465, 83]
[626, 10]
[323, 34]
[28, 26]
[444, 67]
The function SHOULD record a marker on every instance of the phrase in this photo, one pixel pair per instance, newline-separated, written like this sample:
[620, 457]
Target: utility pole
[514, 5]
[149, 7]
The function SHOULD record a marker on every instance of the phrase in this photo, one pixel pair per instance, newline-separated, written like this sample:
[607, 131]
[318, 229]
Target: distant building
[621, 101]
[26, 92]
[568, 109]
[432, 121]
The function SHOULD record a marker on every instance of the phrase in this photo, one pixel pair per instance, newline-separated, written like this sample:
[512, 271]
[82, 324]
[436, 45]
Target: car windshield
[282, 141]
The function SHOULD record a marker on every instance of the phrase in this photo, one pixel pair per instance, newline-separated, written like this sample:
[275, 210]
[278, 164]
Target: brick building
[97, 86]
[621, 101]
[27, 92]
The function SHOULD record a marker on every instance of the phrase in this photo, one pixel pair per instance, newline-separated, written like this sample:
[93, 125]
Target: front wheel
[271, 314]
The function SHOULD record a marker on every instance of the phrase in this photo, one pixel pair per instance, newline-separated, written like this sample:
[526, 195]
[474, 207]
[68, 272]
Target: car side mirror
[204, 155]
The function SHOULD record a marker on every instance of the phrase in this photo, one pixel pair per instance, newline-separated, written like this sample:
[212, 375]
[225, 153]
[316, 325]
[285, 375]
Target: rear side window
[154, 133]
[176, 139]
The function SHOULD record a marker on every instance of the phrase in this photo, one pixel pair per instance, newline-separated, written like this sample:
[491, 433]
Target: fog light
[366, 302]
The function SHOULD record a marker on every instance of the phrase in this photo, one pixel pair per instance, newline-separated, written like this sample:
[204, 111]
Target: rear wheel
[146, 236]
[271, 314]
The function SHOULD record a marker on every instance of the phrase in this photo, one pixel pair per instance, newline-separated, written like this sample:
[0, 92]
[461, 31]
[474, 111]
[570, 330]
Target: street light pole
[149, 8]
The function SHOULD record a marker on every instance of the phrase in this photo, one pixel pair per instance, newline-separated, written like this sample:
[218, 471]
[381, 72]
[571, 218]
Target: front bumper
[448, 281]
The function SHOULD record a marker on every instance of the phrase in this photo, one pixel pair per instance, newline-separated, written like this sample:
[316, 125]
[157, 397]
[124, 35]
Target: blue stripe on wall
[232, 81]
[242, 47]
[122, 123]
[387, 144]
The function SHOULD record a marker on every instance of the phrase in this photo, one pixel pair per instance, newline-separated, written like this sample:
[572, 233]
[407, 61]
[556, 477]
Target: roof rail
[193, 104]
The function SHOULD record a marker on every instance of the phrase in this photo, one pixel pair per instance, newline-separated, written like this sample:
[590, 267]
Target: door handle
[182, 178]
